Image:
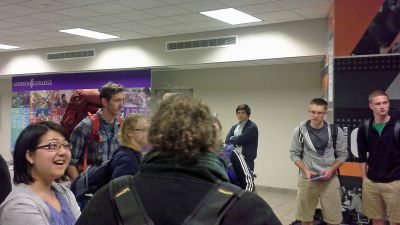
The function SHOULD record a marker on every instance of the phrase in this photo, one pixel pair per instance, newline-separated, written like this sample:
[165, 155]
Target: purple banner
[90, 80]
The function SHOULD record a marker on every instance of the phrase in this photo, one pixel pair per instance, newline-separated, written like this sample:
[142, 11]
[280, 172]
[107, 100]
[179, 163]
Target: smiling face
[47, 162]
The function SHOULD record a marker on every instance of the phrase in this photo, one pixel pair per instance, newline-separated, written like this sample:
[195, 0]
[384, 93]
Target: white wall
[5, 118]
[278, 96]
[293, 39]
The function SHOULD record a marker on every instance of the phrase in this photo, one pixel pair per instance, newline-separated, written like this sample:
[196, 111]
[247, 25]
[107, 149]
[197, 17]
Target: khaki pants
[380, 199]
[328, 192]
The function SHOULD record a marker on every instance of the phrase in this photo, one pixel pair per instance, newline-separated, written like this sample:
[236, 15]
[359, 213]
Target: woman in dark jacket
[177, 174]
[5, 180]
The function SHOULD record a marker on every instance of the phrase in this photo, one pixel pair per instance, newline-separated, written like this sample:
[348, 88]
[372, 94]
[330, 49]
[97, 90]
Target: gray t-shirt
[319, 137]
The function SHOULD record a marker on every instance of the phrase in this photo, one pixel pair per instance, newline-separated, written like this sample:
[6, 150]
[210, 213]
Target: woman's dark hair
[182, 128]
[28, 140]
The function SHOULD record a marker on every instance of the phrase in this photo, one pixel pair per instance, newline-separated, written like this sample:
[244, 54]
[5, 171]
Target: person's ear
[104, 101]
[29, 157]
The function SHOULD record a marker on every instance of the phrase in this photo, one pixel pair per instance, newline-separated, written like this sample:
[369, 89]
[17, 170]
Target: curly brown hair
[182, 127]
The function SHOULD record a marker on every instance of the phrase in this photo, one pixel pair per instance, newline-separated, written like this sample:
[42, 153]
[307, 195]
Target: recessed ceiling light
[89, 33]
[231, 16]
[8, 46]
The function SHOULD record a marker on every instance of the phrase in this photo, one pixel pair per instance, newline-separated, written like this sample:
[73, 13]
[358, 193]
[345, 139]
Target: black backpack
[210, 210]
[92, 178]
[396, 130]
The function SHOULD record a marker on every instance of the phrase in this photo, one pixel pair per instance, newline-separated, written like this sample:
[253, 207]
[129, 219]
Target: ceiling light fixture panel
[89, 33]
[231, 16]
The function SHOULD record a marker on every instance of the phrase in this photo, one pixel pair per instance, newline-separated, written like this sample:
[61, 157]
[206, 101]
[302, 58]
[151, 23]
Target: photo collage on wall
[45, 98]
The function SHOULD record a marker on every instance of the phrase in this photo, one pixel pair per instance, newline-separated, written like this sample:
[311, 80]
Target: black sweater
[5, 180]
[170, 194]
[384, 152]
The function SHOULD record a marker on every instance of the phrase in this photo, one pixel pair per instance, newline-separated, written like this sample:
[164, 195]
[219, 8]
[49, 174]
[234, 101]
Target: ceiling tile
[282, 16]
[129, 25]
[261, 8]
[207, 24]
[50, 26]
[174, 2]
[24, 20]
[141, 4]
[134, 15]
[6, 15]
[158, 22]
[108, 8]
[28, 30]
[129, 34]
[77, 23]
[194, 17]
[50, 17]
[200, 6]
[295, 4]
[45, 5]
[105, 19]
[167, 11]
[9, 32]
[180, 27]
[152, 31]
[236, 3]
[103, 28]
[314, 12]
[5, 25]
[78, 12]
[82, 2]
[18, 10]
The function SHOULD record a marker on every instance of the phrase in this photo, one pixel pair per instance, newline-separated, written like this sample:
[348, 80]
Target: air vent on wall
[201, 43]
[70, 54]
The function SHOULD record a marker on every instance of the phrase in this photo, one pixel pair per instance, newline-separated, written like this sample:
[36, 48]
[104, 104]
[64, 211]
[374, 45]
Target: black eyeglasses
[55, 146]
[317, 113]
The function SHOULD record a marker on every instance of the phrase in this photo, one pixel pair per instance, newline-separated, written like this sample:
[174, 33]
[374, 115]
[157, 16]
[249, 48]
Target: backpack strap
[300, 138]
[366, 128]
[94, 119]
[397, 131]
[213, 207]
[334, 133]
[128, 204]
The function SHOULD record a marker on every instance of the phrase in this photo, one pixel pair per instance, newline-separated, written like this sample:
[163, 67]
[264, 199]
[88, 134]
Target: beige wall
[278, 96]
[5, 117]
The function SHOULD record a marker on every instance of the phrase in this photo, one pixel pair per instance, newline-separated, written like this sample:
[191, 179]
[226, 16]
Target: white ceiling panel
[46, 5]
[167, 11]
[135, 15]
[107, 8]
[141, 4]
[78, 12]
[35, 23]
[105, 19]
[51, 17]
[200, 6]
[18, 9]
[261, 8]
[158, 22]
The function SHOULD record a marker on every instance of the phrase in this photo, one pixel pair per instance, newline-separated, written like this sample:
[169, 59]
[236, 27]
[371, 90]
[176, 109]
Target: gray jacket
[309, 155]
[22, 206]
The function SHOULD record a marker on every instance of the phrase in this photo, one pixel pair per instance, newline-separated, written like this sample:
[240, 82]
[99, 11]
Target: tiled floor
[283, 202]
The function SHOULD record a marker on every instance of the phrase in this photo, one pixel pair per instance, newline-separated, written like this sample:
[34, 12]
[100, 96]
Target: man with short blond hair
[379, 154]
[313, 150]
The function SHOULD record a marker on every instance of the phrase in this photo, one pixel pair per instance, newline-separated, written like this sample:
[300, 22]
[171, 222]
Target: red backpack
[84, 103]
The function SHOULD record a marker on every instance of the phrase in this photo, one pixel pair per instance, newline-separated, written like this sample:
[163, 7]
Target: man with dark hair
[313, 150]
[178, 177]
[379, 154]
[244, 135]
[101, 149]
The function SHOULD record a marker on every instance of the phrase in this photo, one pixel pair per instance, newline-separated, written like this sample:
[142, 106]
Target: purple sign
[90, 80]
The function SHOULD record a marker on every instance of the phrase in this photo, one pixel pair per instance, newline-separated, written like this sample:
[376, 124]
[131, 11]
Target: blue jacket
[248, 139]
[126, 161]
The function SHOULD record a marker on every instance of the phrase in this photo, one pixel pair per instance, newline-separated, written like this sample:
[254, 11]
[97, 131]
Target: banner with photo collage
[45, 97]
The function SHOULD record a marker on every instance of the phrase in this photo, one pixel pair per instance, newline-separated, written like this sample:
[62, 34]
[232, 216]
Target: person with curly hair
[176, 175]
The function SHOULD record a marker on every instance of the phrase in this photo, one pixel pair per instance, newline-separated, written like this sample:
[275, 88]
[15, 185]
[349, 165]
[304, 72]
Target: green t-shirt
[378, 127]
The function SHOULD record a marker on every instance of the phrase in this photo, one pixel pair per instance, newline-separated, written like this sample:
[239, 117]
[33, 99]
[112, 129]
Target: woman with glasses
[41, 155]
